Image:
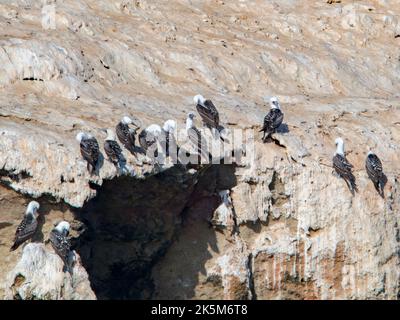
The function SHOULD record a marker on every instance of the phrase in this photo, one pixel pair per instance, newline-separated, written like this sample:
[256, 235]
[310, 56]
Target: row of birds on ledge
[154, 133]
[148, 137]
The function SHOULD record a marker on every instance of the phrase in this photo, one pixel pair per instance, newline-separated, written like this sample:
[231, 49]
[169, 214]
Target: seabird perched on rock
[89, 150]
[61, 243]
[169, 126]
[28, 225]
[207, 111]
[342, 167]
[126, 135]
[373, 165]
[193, 133]
[148, 137]
[195, 137]
[273, 119]
[112, 148]
[168, 129]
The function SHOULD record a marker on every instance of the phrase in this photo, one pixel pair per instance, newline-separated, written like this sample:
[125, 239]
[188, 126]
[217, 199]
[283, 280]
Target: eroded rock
[295, 231]
[40, 275]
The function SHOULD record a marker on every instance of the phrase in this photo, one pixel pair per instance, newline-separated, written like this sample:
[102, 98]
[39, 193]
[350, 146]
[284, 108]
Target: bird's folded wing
[26, 228]
[341, 164]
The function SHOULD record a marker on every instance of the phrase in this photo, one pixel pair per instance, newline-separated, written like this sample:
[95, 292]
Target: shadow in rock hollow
[132, 223]
[182, 270]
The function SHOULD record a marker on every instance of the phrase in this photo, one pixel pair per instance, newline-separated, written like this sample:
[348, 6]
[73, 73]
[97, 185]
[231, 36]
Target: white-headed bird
[28, 225]
[272, 120]
[126, 135]
[342, 167]
[61, 243]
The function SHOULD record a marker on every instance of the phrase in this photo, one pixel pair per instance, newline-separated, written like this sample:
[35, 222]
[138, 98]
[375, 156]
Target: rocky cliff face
[280, 226]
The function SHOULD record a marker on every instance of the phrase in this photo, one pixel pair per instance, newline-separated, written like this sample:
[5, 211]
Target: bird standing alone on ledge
[272, 120]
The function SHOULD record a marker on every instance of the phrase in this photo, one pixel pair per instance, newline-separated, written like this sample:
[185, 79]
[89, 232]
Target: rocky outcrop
[288, 241]
[279, 225]
[40, 275]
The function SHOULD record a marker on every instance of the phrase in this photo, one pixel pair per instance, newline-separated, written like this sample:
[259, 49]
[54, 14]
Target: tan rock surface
[297, 232]
[39, 275]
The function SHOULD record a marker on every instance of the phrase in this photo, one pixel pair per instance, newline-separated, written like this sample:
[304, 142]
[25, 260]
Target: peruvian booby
[61, 243]
[273, 119]
[126, 135]
[193, 133]
[373, 165]
[342, 167]
[28, 225]
[195, 137]
[207, 111]
[89, 150]
[168, 129]
[112, 148]
[148, 136]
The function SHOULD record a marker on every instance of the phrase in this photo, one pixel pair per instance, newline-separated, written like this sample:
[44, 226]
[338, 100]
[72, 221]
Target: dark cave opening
[132, 222]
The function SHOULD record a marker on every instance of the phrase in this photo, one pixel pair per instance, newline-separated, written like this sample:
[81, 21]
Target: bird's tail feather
[131, 148]
[69, 262]
[379, 188]
[14, 246]
[351, 182]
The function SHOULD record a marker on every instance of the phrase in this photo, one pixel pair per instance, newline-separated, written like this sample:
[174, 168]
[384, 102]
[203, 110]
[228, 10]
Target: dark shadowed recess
[132, 222]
